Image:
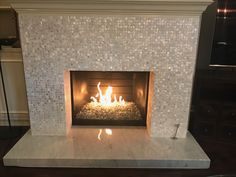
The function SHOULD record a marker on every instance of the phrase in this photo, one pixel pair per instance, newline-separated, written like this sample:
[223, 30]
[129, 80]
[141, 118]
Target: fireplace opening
[109, 98]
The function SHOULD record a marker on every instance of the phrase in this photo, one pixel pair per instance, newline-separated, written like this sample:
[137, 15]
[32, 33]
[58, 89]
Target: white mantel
[184, 7]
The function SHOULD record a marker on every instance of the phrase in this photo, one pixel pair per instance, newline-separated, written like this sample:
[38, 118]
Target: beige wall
[12, 66]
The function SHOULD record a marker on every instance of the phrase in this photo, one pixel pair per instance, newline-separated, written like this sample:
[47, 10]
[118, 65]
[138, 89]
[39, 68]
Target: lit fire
[106, 99]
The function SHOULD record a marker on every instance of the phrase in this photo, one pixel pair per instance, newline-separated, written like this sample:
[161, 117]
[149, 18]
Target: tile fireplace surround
[160, 36]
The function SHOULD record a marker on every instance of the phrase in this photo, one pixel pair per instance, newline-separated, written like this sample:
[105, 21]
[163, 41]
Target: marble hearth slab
[125, 148]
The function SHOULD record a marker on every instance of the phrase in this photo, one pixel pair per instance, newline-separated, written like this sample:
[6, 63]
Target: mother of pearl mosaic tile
[53, 44]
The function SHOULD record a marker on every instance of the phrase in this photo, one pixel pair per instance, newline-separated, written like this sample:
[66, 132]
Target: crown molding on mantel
[184, 7]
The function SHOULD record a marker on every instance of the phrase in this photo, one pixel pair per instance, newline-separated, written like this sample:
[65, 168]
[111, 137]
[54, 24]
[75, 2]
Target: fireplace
[84, 56]
[163, 45]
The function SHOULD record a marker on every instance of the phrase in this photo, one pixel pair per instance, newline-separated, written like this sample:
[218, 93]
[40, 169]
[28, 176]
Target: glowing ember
[106, 99]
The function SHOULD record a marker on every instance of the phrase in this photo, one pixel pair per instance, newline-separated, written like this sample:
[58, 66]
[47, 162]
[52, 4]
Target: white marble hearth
[125, 148]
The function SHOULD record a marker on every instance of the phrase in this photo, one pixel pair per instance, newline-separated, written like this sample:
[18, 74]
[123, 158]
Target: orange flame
[106, 99]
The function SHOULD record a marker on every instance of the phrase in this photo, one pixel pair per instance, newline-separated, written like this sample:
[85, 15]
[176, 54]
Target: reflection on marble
[107, 148]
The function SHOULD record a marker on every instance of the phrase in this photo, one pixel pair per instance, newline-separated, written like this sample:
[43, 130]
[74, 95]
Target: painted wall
[12, 66]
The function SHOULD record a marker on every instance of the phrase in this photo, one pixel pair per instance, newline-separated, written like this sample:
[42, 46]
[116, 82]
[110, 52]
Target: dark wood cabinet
[213, 115]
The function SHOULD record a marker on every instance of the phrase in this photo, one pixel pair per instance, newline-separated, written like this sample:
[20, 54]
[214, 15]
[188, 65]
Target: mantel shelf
[184, 7]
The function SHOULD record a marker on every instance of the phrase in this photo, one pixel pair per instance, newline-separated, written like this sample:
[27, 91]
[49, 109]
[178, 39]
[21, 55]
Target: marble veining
[164, 44]
[125, 148]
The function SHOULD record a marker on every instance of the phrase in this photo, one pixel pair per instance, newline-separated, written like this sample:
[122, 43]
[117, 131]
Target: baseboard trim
[17, 119]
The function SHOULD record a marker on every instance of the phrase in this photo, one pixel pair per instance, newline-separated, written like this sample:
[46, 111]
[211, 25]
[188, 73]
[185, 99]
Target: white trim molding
[11, 55]
[183, 7]
[18, 118]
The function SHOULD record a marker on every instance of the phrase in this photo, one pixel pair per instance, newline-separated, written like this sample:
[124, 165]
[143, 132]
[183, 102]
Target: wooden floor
[223, 156]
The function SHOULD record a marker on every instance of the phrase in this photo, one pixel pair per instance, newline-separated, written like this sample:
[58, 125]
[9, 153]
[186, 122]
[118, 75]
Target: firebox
[109, 98]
